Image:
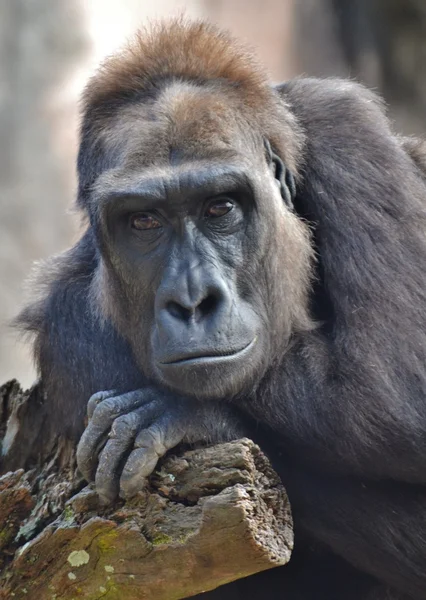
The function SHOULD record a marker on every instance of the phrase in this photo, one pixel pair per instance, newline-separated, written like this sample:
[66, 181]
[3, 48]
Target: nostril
[205, 308]
[178, 311]
[208, 305]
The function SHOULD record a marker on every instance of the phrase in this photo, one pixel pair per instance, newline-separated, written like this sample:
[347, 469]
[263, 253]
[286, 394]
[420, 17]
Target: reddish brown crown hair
[190, 50]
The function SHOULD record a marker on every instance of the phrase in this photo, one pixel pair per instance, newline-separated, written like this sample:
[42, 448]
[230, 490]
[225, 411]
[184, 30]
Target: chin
[212, 377]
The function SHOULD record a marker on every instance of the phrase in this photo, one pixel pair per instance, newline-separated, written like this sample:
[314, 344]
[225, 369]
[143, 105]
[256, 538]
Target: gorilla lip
[210, 356]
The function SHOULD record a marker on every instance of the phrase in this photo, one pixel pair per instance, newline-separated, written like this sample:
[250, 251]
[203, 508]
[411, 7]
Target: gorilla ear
[283, 176]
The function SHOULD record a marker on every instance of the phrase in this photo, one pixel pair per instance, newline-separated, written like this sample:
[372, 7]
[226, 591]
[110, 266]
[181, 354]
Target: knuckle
[152, 439]
[152, 433]
[106, 409]
[145, 439]
[96, 397]
[126, 423]
[94, 401]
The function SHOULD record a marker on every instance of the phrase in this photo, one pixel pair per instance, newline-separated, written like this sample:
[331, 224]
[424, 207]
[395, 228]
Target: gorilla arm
[355, 390]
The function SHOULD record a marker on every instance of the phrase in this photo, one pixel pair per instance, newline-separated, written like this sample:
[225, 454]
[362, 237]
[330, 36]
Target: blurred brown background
[48, 48]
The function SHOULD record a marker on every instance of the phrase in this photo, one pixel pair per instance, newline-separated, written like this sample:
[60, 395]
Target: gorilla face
[182, 248]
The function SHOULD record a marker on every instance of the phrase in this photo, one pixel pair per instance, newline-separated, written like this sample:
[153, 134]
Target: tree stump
[208, 516]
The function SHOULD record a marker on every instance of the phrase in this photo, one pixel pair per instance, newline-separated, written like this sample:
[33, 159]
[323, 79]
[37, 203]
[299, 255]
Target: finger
[94, 436]
[150, 445]
[122, 439]
[97, 399]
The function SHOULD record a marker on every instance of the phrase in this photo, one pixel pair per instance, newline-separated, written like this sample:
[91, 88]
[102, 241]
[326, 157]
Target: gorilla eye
[219, 209]
[144, 221]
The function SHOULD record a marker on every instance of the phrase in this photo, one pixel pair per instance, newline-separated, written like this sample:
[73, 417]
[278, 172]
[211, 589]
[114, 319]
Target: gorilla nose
[194, 298]
[198, 310]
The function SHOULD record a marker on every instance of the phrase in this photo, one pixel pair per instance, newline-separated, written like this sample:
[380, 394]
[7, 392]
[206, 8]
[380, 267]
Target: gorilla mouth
[209, 355]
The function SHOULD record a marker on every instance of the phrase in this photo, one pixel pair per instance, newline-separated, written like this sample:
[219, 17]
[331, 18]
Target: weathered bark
[208, 516]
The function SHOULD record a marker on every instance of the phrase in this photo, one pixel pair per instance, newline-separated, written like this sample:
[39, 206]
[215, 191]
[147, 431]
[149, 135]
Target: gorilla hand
[128, 433]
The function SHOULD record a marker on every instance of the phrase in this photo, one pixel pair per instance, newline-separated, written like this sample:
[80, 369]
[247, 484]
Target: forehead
[183, 122]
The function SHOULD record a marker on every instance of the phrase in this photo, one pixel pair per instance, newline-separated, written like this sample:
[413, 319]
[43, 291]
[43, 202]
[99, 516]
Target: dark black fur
[344, 413]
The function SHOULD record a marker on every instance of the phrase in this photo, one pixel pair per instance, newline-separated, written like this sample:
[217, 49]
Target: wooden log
[208, 516]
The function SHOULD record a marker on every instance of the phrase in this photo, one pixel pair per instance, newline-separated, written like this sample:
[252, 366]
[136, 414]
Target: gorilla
[253, 263]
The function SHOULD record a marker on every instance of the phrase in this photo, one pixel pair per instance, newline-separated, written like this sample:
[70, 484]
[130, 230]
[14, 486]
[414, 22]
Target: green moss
[108, 590]
[68, 515]
[161, 538]
[4, 537]
[182, 539]
[106, 542]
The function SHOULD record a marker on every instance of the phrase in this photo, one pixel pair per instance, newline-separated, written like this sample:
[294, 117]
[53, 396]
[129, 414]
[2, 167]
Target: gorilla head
[191, 203]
